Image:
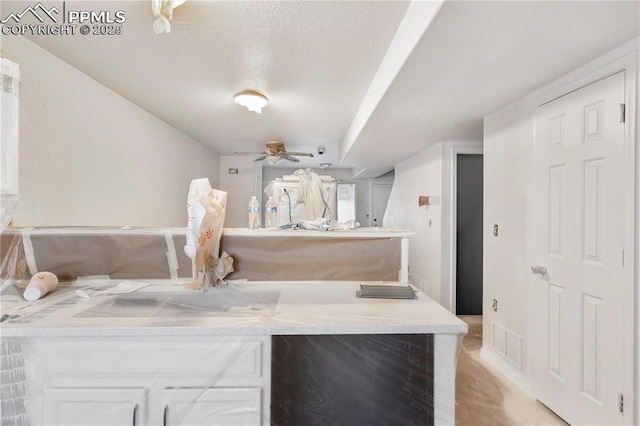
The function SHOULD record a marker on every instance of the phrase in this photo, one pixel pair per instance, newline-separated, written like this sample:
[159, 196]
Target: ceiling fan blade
[260, 158]
[249, 153]
[302, 154]
[290, 158]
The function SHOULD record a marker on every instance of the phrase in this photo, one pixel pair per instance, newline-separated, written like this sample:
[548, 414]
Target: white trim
[605, 66]
[450, 152]
[631, 329]
[505, 367]
[587, 73]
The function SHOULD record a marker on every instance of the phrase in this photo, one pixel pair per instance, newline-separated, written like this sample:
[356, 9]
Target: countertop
[358, 233]
[166, 308]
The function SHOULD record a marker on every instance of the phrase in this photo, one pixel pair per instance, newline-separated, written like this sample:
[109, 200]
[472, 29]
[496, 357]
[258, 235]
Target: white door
[580, 231]
[380, 197]
[212, 406]
[94, 406]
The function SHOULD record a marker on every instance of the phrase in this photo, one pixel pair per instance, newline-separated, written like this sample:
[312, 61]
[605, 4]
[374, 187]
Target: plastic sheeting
[280, 351]
[206, 209]
[315, 380]
[317, 258]
[285, 193]
[146, 254]
[162, 13]
[9, 126]
[250, 354]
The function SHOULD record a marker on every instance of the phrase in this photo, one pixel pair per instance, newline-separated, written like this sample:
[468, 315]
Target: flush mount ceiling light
[253, 101]
[325, 165]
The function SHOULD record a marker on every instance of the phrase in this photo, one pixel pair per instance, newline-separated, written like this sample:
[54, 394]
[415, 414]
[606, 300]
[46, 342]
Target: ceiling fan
[275, 152]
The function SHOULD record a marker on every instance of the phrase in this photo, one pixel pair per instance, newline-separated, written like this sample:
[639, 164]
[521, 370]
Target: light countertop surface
[358, 233]
[167, 308]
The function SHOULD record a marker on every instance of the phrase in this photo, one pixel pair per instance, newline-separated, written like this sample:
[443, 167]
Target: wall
[88, 156]
[430, 254]
[240, 187]
[508, 170]
[420, 175]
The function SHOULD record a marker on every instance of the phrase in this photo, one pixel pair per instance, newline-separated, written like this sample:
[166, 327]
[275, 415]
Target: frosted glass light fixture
[253, 101]
[273, 159]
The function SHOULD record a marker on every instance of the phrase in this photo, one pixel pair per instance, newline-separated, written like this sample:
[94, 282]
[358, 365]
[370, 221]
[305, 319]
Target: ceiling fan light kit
[272, 159]
[251, 100]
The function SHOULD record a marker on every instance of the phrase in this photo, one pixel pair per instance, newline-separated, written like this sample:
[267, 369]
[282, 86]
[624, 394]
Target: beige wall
[88, 156]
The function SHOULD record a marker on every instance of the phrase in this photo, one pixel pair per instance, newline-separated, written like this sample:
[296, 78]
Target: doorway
[469, 199]
[380, 192]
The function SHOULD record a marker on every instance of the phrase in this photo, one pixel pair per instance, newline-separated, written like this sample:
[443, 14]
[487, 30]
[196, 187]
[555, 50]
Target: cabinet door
[94, 406]
[212, 406]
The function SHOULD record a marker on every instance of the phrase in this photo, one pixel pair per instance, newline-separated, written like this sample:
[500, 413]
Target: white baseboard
[506, 368]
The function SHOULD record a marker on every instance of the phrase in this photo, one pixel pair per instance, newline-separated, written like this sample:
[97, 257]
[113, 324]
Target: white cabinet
[205, 407]
[177, 381]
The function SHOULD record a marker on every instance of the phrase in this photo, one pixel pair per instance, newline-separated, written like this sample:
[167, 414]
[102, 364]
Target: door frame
[450, 152]
[624, 59]
[373, 185]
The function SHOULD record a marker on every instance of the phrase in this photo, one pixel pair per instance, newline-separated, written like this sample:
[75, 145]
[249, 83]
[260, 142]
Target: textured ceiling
[313, 60]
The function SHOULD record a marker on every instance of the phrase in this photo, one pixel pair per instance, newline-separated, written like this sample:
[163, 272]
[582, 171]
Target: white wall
[88, 156]
[508, 170]
[240, 187]
[420, 175]
[430, 252]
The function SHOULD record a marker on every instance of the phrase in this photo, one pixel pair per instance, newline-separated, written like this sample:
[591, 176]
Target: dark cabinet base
[352, 380]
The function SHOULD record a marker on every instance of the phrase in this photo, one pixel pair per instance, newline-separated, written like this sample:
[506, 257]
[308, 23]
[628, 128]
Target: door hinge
[620, 403]
[623, 108]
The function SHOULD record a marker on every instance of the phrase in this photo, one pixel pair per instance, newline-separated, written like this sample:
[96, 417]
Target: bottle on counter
[254, 213]
[40, 284]
[271, 214]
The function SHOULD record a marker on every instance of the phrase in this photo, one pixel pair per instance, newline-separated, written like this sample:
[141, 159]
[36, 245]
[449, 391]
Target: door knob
[538, 269]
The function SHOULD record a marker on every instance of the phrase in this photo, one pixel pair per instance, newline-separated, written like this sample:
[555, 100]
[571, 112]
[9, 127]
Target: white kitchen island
[249, 353]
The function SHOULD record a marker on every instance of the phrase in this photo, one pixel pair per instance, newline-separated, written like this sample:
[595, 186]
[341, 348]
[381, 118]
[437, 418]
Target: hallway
[485, 397]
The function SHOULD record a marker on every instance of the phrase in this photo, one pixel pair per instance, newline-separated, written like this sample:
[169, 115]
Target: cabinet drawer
[204, 407]
[229, 358]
